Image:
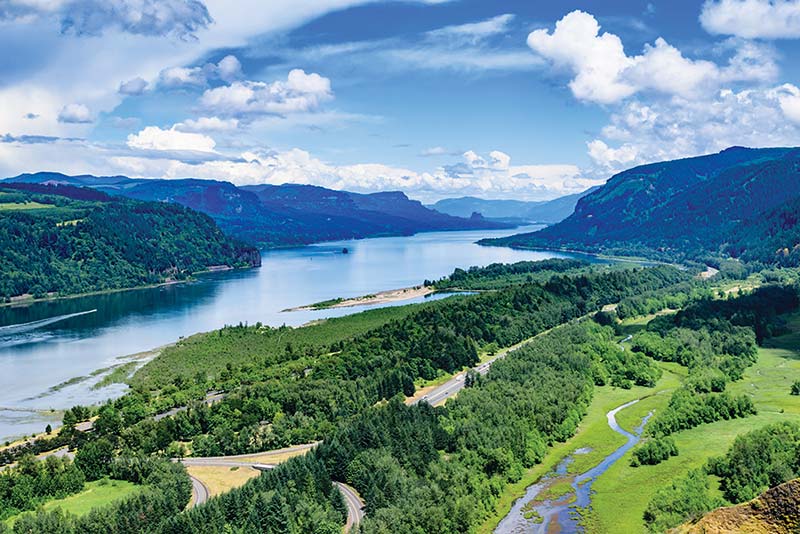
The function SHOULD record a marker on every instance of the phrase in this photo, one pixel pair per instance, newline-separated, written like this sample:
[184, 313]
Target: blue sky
[511, 99]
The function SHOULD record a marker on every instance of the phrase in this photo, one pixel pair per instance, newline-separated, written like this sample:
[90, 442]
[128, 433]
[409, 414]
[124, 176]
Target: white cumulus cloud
[75, 114]
[752, 19]
[300, 92]
[603, 73]
[154, 138]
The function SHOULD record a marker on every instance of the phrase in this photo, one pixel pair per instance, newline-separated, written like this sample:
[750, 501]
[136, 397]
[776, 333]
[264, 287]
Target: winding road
[355, 505]
[199, 491]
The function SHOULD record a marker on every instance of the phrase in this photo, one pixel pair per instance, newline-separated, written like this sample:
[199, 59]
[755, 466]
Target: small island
[383, 297]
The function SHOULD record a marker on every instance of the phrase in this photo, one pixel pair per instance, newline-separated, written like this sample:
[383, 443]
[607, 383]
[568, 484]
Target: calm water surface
[48, 343]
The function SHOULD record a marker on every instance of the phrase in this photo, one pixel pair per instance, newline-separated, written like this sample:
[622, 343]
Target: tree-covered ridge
[500, 275]
[83, 241]
[739, 203]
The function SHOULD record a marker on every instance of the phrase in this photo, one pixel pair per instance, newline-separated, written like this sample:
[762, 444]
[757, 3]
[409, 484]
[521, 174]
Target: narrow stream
[530, 515]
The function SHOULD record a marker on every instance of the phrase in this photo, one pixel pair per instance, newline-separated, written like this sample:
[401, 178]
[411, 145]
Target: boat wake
[21, 328]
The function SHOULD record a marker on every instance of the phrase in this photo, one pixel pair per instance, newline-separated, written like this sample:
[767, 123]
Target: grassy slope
[94, 495]
[623, 491]
[210, 353]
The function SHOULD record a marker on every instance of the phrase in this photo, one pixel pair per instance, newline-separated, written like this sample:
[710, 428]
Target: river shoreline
[28, 300]
[381, 297]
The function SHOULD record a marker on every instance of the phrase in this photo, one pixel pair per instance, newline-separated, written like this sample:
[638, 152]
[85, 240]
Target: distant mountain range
[284, 215]
[742, 203]
[546, 212]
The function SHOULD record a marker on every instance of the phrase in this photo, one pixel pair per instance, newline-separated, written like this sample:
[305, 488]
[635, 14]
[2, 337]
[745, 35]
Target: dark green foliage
[94, 458]
[654, 451]
[796, 387]
[296, 498]
[686, 499]
[422, 469]
[759, 460]
[80, 246]
[499, 275]
[167, 491]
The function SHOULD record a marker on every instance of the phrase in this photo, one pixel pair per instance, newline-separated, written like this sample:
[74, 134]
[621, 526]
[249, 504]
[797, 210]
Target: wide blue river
[49, 343]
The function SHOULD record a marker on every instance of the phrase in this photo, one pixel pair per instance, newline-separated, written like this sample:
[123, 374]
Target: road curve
[355, 506]
[199, 491]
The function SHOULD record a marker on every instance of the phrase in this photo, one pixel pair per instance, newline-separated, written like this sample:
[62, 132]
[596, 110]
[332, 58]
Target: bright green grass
[94, 495]
[593, 433]
[623, 492]
[210, 352]
[15, 206]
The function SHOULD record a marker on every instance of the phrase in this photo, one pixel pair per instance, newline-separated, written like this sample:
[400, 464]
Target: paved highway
[199, 490]
[355, 506]
[456, 384]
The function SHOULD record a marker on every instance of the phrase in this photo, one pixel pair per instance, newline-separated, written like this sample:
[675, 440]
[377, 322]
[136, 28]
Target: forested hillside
[279, 216]
[739, 203]
[67, 240]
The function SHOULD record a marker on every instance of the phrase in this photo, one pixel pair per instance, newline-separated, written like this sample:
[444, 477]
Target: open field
[219, 479]
[94, 495]
[619, 509]
[15, 206]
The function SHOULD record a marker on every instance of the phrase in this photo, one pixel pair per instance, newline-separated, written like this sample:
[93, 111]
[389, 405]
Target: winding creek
[535, 514]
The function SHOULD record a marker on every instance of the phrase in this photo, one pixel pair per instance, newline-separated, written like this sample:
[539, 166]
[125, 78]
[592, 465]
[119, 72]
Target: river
[535, 514]
[49, 343]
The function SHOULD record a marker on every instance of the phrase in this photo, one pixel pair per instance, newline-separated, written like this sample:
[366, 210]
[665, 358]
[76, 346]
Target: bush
[654, 451]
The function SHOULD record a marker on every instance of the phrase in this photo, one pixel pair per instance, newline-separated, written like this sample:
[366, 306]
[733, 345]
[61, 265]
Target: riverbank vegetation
[680, 488]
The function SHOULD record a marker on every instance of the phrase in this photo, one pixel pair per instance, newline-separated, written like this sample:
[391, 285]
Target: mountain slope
[549, 211]
[282, 215]
[687, 208]
[60, 239]
[774, 512]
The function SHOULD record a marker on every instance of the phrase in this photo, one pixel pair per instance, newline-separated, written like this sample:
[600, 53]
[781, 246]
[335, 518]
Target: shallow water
[561, 515]
[47, 343]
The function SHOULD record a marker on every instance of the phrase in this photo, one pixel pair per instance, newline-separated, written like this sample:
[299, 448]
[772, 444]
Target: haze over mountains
[740, 202]
[547, 212]
[284, 215]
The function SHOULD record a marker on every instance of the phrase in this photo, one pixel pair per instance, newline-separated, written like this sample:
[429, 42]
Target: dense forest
[73, 240]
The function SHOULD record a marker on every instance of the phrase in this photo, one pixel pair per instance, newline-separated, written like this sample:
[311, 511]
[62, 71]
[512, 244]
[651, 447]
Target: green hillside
[65, 240]
[739, 203]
